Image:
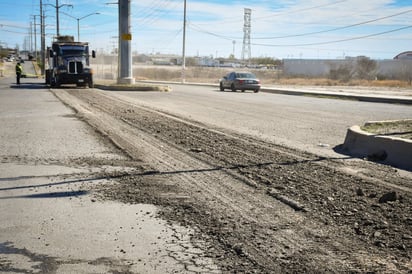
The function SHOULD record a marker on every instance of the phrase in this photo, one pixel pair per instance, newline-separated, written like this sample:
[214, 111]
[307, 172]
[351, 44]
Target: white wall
[321, 68]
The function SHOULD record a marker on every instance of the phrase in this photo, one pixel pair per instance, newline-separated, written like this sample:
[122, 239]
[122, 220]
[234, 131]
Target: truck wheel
[91, 85]
[54, 82]
[47, 74]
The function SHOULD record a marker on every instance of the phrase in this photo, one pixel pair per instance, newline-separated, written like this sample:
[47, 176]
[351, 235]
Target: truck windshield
[74, 51]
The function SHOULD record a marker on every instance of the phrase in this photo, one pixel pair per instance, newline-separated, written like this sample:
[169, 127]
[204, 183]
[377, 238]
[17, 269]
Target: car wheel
[232, 87]
[221, 87]
[256, 91]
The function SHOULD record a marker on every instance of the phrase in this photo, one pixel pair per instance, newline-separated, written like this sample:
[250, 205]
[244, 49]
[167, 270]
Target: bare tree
[343, 72]
[405, 71]
[366, 68]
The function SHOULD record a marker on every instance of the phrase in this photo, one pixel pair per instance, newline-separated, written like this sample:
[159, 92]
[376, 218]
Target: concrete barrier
[388, 150]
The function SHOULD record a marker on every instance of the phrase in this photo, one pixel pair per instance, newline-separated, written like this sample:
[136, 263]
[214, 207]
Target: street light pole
[57, 15]
[78, 29]
[78, 22]
[57, 7]
[57, 19]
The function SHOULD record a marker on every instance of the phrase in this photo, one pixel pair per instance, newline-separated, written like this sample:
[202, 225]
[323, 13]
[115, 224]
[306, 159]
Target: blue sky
[310, 29]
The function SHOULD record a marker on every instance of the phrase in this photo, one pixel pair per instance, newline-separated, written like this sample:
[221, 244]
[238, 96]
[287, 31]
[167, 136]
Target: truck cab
[69, 64]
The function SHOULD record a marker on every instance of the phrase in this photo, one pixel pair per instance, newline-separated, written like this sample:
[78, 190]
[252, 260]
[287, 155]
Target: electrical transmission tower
[246, 35]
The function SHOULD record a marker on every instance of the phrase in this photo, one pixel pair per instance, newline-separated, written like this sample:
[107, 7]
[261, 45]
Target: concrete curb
[363, 98]
[116, 87]
[388, 150]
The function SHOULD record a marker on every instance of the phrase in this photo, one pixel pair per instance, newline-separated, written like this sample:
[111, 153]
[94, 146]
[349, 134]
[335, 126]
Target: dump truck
[68, 63]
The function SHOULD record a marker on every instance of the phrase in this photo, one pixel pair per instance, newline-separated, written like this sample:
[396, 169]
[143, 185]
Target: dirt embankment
[261, 208]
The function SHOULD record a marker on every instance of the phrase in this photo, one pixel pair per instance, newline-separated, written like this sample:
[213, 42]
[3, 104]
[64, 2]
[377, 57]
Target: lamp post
[57, 7]
[78, 22]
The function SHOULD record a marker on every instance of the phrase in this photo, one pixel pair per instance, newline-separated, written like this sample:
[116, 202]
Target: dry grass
[400, 128]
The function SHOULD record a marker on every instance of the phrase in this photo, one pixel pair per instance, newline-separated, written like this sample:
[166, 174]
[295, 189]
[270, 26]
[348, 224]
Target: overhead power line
[157, 11]
[237, 19]
[335, 29]
[301, 10]
[11, 26]
[336, 41]
[19, 31]
[198, 29]
[11, 31]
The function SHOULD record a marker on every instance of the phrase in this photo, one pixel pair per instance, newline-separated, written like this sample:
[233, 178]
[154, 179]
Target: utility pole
[57, 7]
[35, 36]
[31, 37]
[184, 45]
[42, 39]
[125, 71]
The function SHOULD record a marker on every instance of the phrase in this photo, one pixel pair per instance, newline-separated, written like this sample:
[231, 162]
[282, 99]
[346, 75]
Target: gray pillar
[125, 74]
[42, 39]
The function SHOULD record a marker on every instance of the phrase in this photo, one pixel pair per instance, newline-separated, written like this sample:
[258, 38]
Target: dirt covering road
[261, 208]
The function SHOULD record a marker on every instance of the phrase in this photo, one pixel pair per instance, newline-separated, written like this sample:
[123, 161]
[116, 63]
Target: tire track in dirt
[200, 175]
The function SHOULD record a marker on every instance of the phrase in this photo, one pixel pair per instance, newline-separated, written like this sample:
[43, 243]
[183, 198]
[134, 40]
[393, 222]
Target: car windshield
[245, 75]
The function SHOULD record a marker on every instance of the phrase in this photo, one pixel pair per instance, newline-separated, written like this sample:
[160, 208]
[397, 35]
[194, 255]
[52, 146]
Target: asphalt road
[262, 208]
[50, 159]
[50, 222]
[312, 124]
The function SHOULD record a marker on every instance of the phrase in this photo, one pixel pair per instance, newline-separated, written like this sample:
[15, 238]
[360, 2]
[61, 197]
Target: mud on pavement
[260, 207]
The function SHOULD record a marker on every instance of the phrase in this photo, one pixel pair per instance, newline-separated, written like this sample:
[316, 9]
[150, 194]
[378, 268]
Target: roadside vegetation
[212, 75]
[362, 74]
[399, 128]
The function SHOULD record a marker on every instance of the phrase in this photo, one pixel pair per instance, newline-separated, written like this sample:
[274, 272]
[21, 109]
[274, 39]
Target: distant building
[404, 55]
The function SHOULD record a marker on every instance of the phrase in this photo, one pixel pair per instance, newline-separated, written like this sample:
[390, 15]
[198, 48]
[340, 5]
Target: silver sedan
[240, 81]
